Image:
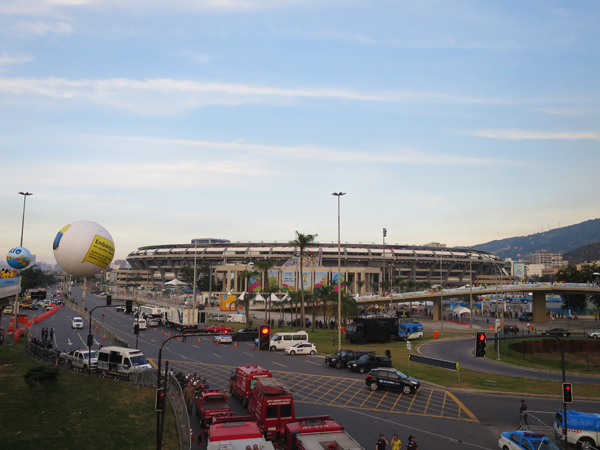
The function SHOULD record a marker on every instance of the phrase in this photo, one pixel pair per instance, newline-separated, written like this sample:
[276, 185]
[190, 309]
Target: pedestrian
[188, 394]
[528, 327]
[396, 443]
[51, 333]
[333, 339]
[411, 444]
[523, 413]
[388, 352]
[381, 442]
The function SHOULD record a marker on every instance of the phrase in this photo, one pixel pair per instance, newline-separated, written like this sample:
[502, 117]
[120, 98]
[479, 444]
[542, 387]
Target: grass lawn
[79, 412]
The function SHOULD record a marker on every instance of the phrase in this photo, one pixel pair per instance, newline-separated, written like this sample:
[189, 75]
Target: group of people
[8, 273]
[396, 443]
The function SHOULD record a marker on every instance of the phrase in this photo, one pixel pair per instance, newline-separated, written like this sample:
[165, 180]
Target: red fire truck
[271, 407]
[244, 381]
[211, 403]
[236, 433]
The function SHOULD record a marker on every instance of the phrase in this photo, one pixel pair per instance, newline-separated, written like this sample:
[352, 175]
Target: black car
[526, 317]
[342, 357]
[245, 334]
[378, 378]
[35, 305]
[368, 362]
[557, 332]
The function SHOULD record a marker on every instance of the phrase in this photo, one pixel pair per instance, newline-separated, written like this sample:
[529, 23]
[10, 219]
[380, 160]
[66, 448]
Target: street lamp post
[384, 235]
[24, 194]
[338, 195]
[470, 288]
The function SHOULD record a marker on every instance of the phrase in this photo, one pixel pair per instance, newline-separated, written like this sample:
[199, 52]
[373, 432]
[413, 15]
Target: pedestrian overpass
[537, 290]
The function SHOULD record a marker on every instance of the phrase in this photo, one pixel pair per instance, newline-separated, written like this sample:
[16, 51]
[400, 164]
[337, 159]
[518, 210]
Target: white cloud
[525, 134]
[41, 28]
[195, 57]
[6, 59]
[565, 112]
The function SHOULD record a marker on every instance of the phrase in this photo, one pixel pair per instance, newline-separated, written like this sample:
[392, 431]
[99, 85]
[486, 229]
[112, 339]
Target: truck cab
[236, 433]
[244, 381]
[408, 331]
[210, 404]
[271, 407]
[582, 427]
[318, 433]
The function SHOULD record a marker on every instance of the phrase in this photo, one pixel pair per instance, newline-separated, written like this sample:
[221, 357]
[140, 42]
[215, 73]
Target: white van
[141, 322]
[236, 318]
[281, 341]
[121, 361]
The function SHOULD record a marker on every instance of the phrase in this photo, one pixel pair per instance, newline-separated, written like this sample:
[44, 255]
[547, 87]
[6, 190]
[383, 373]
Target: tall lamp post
[24, 194]
[338, 195]
[470, 288]
[384, 235]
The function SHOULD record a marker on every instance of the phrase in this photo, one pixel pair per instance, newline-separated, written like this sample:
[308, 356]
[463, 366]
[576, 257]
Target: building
[549, 260]
[362, 265]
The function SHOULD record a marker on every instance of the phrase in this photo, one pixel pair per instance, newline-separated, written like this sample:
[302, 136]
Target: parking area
[345, 392]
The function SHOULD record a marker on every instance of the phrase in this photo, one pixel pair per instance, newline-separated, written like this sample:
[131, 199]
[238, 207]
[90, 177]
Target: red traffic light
[264, 330]
[567, 388]
[482, 337]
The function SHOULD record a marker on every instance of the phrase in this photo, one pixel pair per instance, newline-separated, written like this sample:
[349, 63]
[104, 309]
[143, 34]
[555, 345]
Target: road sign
[498, 326]
[408, 345]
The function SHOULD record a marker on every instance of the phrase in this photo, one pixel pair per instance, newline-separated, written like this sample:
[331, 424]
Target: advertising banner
[288, 278]
[519, 269]
[334, 280]
[321, 279]
[307, 280]
[273, 277]
[254, 283]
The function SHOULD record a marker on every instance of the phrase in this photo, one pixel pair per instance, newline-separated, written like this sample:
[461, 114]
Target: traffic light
[567, 392]
[161, 397]
[128, 306]
[480, 343]
[136, 329]
[264, 337]
[108, 300]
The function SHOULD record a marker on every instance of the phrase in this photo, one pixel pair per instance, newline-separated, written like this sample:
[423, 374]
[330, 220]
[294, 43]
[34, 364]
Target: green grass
[80, 412]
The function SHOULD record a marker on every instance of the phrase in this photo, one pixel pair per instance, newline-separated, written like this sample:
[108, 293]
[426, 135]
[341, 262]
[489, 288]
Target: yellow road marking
[444, 404]
[384, 396]
[428, 400]
[463, 407]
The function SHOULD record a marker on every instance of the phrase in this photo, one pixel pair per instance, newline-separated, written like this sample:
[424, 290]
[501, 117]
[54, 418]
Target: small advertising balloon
[83, 248]
[18, 258]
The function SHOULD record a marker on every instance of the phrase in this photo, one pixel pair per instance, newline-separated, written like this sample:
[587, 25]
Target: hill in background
[559, 240]
[590, 252]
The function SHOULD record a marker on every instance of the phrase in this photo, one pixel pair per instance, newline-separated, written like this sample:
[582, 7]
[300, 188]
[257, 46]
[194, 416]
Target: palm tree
[263, 266]
[360, 284]
[248, 296]
[302, 241]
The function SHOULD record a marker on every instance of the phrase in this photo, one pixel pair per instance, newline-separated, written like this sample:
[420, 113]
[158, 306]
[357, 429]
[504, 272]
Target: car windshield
[546, 444]
[139, 360]
[351, 327]
[401, 374]
[94, 355]
[364, 358]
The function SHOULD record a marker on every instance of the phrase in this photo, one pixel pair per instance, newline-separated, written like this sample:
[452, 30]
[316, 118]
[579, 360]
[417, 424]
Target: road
[438, 418]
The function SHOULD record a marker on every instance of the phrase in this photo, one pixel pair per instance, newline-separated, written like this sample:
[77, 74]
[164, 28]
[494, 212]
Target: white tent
[176, 282]
[286, 297]
[274, 298]
[242, 296]
[259, 298]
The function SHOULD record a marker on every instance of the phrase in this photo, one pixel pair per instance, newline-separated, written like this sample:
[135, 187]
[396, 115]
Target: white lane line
[316, 364]
[217, 355]
[195, 346]
[249, 354]
[280, 365]
[183, 357]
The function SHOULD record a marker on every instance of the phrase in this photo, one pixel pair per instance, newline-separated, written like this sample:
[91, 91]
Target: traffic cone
[217, 342]
[235, 345]
[176, 338]
[155, 330]
[96, 328]
[162, 331]
[169, 334]
[253, 348]
[198, 340]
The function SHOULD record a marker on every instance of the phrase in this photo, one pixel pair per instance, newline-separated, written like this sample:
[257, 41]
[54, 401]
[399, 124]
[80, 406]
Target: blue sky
[456, 122]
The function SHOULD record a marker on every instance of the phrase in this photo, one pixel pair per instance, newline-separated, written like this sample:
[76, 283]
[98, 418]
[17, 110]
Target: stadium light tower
[24, 194]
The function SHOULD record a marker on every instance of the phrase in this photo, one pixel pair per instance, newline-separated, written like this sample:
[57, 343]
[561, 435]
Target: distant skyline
[458, 123]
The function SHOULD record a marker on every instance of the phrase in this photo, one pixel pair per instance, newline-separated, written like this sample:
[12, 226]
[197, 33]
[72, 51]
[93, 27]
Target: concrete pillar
[437, 309]
[539, 306]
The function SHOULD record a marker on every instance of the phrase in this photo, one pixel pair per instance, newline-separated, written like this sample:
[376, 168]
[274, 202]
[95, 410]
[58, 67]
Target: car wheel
[85, 368]
[292, 353]
[312, 353]
[361, 369]
[505, 448]
[70, 365]
[585, 444]
[339, 365]
[406, 389]
[272, 348]
[374, 386]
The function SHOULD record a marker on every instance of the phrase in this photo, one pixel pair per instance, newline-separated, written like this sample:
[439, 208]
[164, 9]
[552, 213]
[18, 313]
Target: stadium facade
[362, 265]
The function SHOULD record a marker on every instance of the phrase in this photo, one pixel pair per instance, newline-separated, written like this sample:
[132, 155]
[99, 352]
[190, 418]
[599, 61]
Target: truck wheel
[385, 340]
[272, 348]
[585, 443]
[339, 365]
[362, 341]
[374, 386]
[361, 369]
[70, 365]
[406, 389]
[85, 369]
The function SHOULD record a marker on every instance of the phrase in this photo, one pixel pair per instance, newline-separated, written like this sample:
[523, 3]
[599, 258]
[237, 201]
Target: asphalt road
[471, 421]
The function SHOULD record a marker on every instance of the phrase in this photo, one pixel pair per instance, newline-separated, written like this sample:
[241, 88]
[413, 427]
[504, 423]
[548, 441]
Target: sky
[455, 122]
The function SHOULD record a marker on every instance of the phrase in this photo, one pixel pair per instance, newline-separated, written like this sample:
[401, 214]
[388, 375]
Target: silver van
[281, 341]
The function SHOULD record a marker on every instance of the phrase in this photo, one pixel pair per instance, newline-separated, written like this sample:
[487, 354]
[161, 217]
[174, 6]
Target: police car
[391, 378]
[525, 440]
[223, 339]
[301, 349]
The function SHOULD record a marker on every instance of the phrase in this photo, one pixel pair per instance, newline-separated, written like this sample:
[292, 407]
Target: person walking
[333, 339]
[411, 444]
[188, 394]
[396, 443]
[388, 353]
[51, 333]
[523, 414]
[381, 442]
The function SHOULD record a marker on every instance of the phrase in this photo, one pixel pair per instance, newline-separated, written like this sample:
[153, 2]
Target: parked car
[342, 357]
[301, 349]
[526, 317]
[223, 339]
[368, 362]
[152, 322]
[219, 328]
[298, 322]
[8, 310]
[594, 334]
[218, 318]
[121, 308]
[143, 325]
[245, 334]
[525, 440]
[557, 332]
[77, 322]
[392, 378]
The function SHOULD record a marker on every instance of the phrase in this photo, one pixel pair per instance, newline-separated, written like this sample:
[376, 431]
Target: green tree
[571, 274]
[263, 266]
[32, 278]
[301, 242]
[245, 275]
[360, 285]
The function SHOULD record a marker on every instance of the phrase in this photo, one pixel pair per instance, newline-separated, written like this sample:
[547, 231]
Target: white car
[594, 334]
[152, 322]
[217, 318]
[301, 349]
[223, 339]
[141, 322]
[77, 322]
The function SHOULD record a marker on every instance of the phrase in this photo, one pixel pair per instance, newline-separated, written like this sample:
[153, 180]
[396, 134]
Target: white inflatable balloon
[83, 248]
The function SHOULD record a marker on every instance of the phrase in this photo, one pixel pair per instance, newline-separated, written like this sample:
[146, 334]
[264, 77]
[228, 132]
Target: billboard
[334, 280]
[321, 278]
[307, 280]
[254, 283]
[519, 269]
[288, 280]
[273, 277]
